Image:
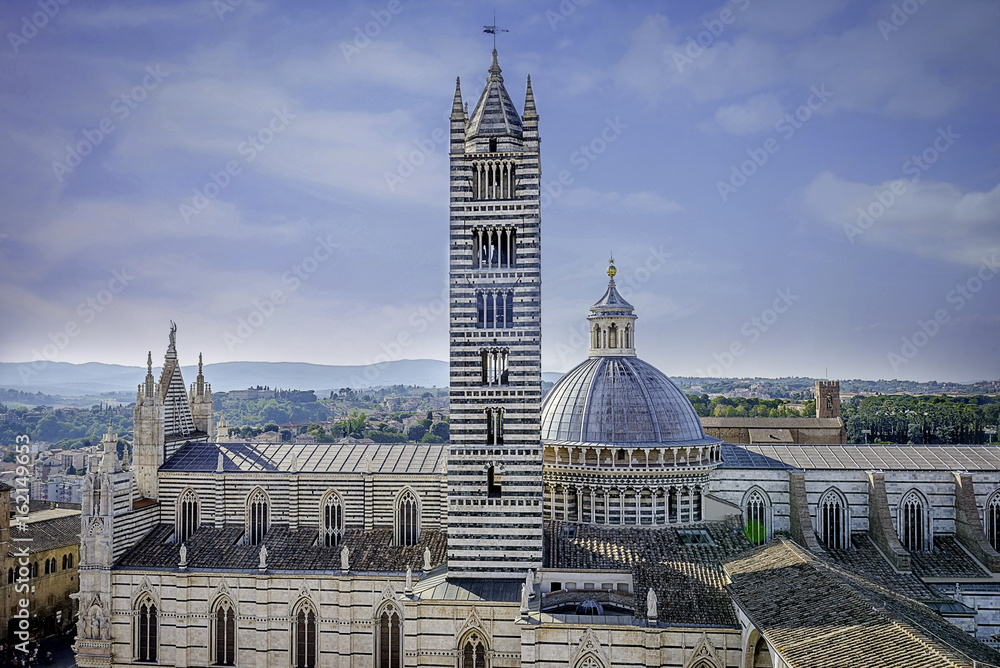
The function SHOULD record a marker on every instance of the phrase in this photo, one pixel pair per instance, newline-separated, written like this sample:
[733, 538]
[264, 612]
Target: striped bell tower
[495, 460]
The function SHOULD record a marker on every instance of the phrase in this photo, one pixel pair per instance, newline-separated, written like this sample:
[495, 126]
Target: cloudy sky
[787, 187]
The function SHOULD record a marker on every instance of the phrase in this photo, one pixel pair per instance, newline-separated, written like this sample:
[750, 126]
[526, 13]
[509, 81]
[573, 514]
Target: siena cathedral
[597, 527]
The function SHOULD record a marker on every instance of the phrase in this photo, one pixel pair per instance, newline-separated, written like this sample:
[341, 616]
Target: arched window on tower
[613, 336]
[258, 514]
[494, 426]
[756, 509]
[472, 651]
[912, 522]
[407, 518]
[834, 521]
[147, 629]
[492, 482]
[331, 528]
[304, 637]
[224, 636]
[493, 144]
[991, 520]
[187, 515]
[589, 661]
[494, 366]
[388, 638]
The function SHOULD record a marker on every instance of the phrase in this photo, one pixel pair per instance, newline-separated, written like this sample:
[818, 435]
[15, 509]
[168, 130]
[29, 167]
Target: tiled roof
[865, 559]
[864, 457]
[4, 487]
[405, 458]
[48, 534]
[688, 579]
[815, 614]
[210, 547]
[948, 560]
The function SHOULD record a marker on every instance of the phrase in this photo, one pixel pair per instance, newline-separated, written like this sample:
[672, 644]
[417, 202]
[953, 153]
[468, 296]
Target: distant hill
[62, 378]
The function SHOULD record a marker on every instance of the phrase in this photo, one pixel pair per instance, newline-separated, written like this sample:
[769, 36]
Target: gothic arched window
[589, 661]
[755, 517]
[407, 518]
[992, 520]
[472, 653]
[331, 528]
[146, 630]
[913, 522]
[304, 637]
[494, 426]
[187, 515]
[258, 508]
[388, 639]
[224, 638]
[834, 521]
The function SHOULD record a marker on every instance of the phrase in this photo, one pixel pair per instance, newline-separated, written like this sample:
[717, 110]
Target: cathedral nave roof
[287, 549]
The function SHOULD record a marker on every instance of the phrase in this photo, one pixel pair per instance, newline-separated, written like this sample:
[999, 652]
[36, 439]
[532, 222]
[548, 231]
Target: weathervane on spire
[494, 29]
[611, 268]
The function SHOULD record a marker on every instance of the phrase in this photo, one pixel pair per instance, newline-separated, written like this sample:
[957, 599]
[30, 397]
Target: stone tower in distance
[828, 398]
[495, 460]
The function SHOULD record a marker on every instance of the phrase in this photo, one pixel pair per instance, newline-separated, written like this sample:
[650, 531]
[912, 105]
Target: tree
[416, 432]
[441, 430]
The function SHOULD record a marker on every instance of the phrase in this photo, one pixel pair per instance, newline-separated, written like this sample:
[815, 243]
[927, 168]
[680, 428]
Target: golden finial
[611, 268]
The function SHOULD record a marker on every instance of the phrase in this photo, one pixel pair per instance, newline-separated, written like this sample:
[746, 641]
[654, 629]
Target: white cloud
[924, 218]
[637, 203]
[759, 112]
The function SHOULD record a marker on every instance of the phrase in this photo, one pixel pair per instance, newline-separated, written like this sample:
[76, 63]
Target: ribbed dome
[619, 400]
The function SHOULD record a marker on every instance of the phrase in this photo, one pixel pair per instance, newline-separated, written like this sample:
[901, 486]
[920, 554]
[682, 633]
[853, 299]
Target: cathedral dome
[619, 400]
[615, 397]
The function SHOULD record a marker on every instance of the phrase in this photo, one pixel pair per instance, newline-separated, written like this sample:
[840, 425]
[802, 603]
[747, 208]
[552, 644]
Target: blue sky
[787, 187]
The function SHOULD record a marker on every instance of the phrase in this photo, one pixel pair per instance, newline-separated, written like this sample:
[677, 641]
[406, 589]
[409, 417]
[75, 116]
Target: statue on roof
[173, 334]
[651, 605]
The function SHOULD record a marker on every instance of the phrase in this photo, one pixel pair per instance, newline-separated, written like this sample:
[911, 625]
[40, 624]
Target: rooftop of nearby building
[48, 530]
[813, 613]
[863, 457]
[772, 423]
[356, 457]
[287, 549]
[687, 578]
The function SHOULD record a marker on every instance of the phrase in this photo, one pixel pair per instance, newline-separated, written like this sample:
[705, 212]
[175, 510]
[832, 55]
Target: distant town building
[44, 556]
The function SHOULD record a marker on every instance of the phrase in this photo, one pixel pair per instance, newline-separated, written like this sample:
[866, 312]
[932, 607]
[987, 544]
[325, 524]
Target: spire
[149, 364]
[172, 348]
[109, 460]
[529, 102]
[457, 109]
[200, 377]
[495, 67]
[495, 113]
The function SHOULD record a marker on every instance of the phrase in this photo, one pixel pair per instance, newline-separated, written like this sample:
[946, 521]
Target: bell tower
[495, 460]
